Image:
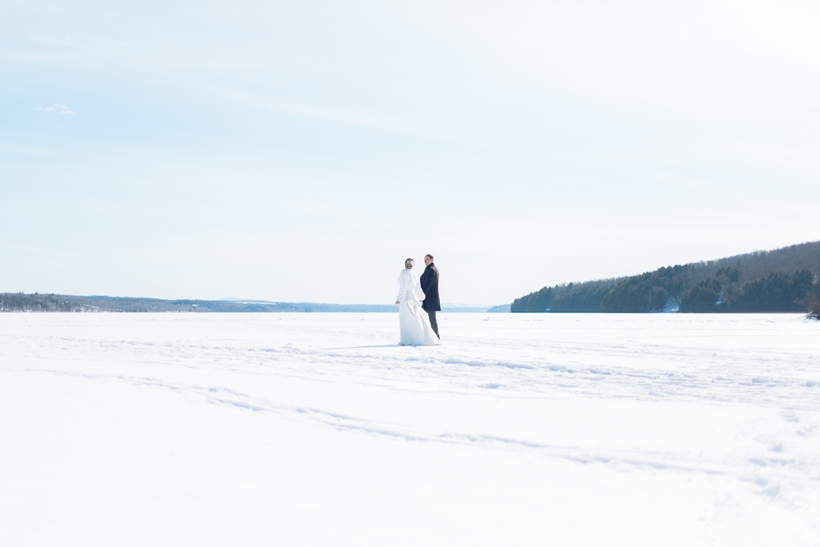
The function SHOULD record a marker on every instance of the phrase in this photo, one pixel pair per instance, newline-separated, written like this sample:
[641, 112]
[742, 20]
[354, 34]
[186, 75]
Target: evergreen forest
[783, 280]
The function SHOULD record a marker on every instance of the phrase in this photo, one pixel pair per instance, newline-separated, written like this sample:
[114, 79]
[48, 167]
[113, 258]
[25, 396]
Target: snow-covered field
[316, 429]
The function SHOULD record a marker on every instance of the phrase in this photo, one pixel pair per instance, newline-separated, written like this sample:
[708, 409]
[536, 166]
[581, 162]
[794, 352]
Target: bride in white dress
[414, 326]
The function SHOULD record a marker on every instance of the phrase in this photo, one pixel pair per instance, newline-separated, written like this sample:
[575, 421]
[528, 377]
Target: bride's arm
[417, 289]
[402, 287]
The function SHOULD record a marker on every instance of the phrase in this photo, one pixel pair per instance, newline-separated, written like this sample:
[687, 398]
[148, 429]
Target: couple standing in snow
[418, 302]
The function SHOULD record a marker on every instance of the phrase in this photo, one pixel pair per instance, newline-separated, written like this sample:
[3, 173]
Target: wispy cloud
[332, 114]
[56, 108]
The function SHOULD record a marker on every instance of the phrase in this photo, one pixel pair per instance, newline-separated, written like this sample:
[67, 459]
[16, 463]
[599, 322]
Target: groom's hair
[429, 256]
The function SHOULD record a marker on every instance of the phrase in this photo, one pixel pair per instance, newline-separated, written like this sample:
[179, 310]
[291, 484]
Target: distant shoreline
[59, 303]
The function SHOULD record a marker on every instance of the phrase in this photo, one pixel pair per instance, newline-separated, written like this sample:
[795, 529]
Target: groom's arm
[425, 280]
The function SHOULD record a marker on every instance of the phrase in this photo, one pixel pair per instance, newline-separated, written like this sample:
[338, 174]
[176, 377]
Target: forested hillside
[782, 280]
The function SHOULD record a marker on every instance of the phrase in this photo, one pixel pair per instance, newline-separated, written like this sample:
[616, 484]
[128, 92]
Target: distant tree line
[20, 302]
[35, 302]
[62, 303]
[784, 280]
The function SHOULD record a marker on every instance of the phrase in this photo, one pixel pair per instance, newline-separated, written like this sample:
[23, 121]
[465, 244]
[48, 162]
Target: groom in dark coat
[429, 286]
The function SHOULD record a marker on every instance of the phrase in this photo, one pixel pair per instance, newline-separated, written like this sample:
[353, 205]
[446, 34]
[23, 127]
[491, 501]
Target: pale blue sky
[301, 150]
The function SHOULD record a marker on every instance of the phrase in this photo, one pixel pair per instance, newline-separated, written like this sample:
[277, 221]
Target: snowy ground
[316, 429]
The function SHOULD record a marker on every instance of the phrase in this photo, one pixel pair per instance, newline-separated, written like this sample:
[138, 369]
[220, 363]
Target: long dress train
[414, 324]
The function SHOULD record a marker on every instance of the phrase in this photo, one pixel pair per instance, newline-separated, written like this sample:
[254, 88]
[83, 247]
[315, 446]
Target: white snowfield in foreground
[317, 429]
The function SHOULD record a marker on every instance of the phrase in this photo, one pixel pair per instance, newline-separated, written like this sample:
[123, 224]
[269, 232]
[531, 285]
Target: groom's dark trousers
[432, 303]
[433, 322]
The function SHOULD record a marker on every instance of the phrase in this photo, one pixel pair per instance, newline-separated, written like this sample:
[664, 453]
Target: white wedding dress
[414, 325]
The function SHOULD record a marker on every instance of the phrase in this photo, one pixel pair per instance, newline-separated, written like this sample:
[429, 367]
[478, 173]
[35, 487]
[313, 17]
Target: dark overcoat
[429, 286]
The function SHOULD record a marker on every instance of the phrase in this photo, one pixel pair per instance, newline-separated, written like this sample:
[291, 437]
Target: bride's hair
[409, 263]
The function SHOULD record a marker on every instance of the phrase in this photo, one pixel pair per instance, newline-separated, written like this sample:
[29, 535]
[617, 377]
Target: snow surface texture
[317, 429]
